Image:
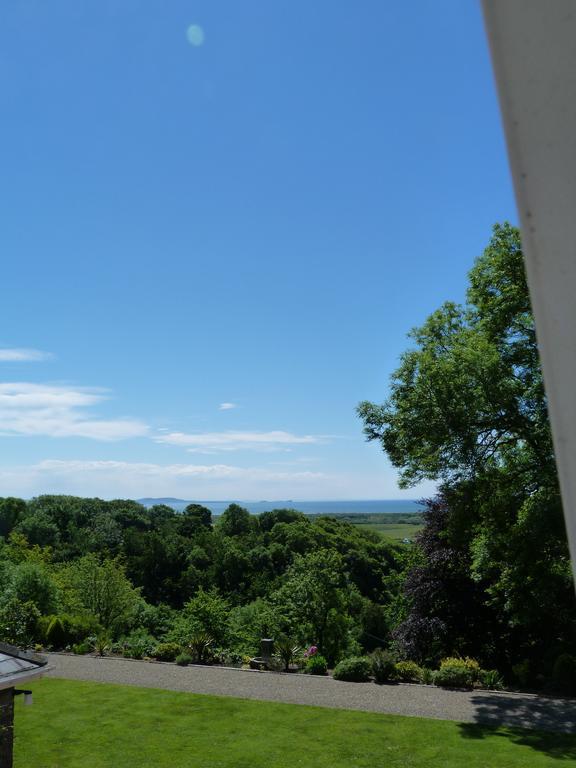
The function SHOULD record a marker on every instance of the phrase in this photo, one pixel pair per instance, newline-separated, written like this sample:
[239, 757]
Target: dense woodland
[171, 574]
[489, 576]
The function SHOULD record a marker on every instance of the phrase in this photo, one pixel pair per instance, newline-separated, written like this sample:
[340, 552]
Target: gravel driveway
[522, 710]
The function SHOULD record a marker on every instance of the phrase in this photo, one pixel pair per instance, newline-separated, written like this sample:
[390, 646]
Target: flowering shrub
[312, 651]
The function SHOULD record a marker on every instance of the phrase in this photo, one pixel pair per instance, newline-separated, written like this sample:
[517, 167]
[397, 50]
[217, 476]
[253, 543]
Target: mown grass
[92, 725]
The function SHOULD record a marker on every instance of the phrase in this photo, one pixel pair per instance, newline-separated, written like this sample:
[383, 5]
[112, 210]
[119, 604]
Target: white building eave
[533, 46]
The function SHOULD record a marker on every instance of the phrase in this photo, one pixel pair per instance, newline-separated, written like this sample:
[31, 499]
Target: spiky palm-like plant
[286, 651]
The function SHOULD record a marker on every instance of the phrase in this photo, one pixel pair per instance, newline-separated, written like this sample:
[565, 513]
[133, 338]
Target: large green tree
[469, 395]
[11, 510]
[467, 408]
[317, 601]
[101, 589]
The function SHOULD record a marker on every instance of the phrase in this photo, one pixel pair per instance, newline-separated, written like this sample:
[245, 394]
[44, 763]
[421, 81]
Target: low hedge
[167, 651]
[355, 670]
[453, 676]
[408, 672]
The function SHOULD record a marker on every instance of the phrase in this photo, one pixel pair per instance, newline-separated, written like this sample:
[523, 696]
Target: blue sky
[219, 221]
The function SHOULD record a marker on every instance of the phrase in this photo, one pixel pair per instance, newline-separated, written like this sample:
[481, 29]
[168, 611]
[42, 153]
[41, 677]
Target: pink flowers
[310, 652]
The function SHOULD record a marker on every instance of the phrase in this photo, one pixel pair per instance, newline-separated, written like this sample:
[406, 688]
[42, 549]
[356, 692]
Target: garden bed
[300, 673]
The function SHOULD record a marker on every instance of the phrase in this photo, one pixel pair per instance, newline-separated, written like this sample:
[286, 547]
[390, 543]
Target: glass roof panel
[9, 665]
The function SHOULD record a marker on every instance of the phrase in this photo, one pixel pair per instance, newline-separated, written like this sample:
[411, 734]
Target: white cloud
[209, 442]
[227, 406]
[136, 479]
[23, 355]
[59, 411]
[147, 469]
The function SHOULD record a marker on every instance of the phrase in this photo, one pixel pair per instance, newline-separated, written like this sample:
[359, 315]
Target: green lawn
[92, 725]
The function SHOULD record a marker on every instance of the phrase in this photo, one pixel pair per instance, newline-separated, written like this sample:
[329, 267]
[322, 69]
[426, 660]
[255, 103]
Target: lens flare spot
[195, 35]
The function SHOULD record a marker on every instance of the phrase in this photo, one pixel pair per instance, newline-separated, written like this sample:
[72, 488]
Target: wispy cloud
[210, 442]
[219, 471]
[20, 355]
[136, 479]
[227, 406]
[59, 411]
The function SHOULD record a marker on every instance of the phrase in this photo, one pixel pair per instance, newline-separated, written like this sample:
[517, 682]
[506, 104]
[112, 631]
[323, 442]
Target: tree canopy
[467, 408]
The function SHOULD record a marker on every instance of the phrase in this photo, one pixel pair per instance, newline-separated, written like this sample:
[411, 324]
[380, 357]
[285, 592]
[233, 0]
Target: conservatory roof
[17, 666]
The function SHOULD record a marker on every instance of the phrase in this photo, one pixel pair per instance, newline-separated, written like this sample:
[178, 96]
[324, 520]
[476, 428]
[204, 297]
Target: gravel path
[522, 710]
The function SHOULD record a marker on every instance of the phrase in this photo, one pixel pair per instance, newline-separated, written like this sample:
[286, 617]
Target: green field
[390, 531]
[92, 725]
[393, 525]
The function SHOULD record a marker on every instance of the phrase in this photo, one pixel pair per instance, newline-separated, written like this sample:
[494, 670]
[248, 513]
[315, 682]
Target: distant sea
[308, 507]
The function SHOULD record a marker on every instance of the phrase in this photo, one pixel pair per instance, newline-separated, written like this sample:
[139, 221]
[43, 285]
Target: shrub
[427, 676]
[183, 659]
[316, 665]
[166, 651]
[32, 583]
[408, 672]
[453, 676]
[138, 644]
[103, 589]
[81, 648]
[467, 663]
[101, 644]
[522, 673]
[64, 629]
[81, 627]
[490, 678]
[231, 658]
[56, 634]
[564, 673]
[208, 613]
[199, 646]
[382, 665]
[157, 620]
[355, 669]
[275, 664]
[18, 622]
[286, 651]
